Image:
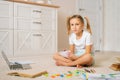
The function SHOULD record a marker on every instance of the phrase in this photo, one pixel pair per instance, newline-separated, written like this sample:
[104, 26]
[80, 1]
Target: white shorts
[65, 53]
[80, 53]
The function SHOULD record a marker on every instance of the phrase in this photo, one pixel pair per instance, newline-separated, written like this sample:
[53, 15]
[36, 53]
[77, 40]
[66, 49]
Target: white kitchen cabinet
[35, 29]
[27, 29]
[6, 27]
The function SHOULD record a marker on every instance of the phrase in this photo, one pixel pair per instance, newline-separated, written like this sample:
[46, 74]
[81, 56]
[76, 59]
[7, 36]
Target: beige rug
[45, 62]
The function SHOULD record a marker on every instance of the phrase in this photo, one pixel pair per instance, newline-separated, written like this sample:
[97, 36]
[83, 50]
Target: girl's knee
[89, 57]
[55, 56]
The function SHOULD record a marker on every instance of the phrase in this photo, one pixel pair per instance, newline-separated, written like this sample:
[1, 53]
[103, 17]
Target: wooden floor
[103, 60]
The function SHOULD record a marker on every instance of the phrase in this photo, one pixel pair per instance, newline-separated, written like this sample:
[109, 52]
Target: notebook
[15, 65]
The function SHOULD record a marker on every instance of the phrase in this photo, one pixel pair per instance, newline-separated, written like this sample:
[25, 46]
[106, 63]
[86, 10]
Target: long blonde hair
[82, 21]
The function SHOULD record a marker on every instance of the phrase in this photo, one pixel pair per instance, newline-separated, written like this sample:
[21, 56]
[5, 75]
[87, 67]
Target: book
[27, 75]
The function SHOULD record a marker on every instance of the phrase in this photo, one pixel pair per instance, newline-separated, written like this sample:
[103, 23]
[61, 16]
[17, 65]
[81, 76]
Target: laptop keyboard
[16, 67]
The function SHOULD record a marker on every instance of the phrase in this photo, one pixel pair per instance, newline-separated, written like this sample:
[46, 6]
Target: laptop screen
[5, 58]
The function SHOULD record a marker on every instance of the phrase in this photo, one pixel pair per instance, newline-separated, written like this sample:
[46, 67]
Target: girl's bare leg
[61, 63]
[58, 57]
[85, 59]
[73, 57]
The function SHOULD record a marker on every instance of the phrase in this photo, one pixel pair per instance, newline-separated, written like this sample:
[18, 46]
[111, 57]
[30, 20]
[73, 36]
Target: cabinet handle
[37, 34]
[37, 11]
[37, 22]
[80, 9]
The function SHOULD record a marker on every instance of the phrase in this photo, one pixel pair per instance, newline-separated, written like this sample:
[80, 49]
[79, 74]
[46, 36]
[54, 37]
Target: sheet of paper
[22, 62]
[115, 76]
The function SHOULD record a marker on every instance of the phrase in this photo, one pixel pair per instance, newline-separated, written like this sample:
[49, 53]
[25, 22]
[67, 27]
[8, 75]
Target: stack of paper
[115, 76]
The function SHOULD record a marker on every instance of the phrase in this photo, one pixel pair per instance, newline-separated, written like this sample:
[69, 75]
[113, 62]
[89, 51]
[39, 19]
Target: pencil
[87, 70]
[92, 70]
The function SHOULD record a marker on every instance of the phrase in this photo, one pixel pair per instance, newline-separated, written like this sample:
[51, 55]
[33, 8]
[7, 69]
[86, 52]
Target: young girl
[80, 44]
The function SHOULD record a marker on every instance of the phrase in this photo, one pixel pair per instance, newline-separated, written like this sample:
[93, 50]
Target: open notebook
[15, 65]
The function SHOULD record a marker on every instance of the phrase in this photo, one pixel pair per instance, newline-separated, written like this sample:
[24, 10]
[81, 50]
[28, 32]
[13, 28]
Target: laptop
[15, 65]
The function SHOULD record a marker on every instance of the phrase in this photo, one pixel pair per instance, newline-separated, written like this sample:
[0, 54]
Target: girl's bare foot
[58, 64]
[79, 66]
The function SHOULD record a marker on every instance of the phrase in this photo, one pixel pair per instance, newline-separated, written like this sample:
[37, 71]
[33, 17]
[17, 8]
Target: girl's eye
[76, 24]
[72, 24]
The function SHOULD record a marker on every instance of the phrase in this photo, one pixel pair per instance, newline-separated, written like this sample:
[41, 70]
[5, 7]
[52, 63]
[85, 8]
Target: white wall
[112, 25]
[67, 8]
[111, 38]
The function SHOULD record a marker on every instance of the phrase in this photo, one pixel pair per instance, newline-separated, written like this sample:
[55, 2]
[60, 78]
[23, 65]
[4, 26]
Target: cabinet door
[34, 42]
[6, 27]
[27, 43]
[6, 41]
[22, 42]
[48, 42]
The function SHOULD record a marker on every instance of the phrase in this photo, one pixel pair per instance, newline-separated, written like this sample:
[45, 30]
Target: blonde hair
[82, 21]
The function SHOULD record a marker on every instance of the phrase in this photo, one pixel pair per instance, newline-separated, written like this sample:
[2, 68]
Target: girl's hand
[72, 56]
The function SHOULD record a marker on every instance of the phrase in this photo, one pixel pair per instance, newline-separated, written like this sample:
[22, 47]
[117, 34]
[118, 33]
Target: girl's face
[76, 25]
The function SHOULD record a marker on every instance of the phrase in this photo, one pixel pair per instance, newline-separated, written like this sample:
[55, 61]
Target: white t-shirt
[80, 44]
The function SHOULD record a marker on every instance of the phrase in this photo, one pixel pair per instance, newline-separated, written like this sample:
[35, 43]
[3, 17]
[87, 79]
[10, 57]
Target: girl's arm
[71, 54]
[72, 49]
[88, 49]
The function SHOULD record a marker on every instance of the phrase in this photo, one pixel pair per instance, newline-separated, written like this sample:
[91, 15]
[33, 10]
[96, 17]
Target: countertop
[34, 3]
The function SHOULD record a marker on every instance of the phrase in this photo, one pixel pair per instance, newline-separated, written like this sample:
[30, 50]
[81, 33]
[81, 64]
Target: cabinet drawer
[6, 9]
[27, 24]
[22, 10]
[36, 24]
[48, 18]
[6, 23]
[22, 24]
[27, 11]
[36, 12]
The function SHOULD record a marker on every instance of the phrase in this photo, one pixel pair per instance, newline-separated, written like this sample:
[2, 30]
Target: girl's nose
[74, 26]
